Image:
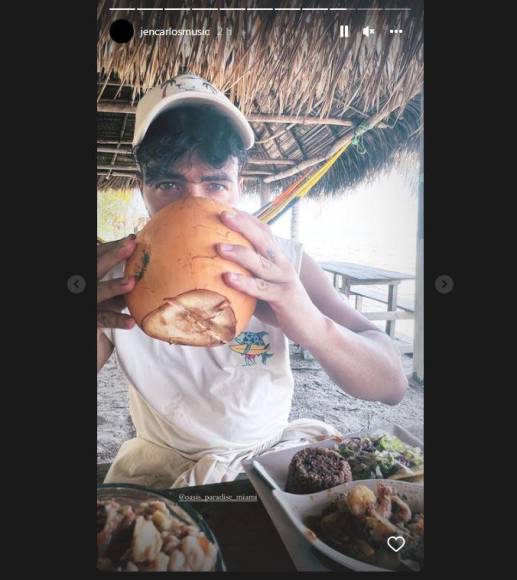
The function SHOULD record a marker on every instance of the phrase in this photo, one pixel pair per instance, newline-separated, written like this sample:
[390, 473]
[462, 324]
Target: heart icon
[396, 543]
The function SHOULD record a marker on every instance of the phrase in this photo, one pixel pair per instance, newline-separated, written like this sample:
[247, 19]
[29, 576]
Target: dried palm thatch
[304, 88]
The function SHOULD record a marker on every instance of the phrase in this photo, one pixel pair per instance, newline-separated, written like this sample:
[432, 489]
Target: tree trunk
[295, 222]
[265, 192]
[418, 350]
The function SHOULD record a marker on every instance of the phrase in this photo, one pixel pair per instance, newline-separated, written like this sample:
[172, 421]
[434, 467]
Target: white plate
[277, 463]
[298, 507]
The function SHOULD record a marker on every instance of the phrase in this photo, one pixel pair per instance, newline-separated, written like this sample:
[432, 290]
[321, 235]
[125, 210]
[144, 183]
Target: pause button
[343, 31]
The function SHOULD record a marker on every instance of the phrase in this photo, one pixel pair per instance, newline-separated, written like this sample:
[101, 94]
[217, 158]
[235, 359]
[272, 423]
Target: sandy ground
[315, 396]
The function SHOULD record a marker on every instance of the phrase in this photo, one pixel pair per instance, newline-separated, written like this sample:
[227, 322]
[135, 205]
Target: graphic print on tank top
[252, 345]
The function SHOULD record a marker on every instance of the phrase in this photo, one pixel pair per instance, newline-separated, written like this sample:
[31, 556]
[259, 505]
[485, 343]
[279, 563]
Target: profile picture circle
[121, 31]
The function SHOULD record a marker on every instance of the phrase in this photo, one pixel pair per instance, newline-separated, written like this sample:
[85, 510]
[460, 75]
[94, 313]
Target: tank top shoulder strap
[293, 250]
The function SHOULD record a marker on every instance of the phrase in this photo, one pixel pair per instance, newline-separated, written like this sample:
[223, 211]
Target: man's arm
[354, 352]
[110, 294]
[104, 349]
[358, 357]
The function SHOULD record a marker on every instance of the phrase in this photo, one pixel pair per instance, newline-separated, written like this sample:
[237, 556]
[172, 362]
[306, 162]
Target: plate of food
[366, 526]
[386, 453]
[382, 456]
[139, 530]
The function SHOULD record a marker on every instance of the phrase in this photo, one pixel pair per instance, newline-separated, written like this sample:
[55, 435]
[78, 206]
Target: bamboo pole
[118, 174]
[132, 168]
[373, 121]
[295, 222]
[270, 161]
[114, 107]
[246, 176]
[297, 169]
[104, 142]
[114, 150]
[418, 340]
[258, 172]
[300, 120]
[265, 193]
[251, 160]
[129, 168]
[114, 160]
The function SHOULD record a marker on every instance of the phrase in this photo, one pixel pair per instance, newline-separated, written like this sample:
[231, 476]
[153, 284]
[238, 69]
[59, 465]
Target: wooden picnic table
[346, 275]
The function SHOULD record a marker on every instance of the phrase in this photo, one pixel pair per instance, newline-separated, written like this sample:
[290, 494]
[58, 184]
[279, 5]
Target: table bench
[345, 275]
[406, 304]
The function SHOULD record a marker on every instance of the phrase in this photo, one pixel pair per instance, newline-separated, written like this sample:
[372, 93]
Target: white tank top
[200, 400]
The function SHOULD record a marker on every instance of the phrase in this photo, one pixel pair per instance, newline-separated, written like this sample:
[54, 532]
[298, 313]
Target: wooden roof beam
[117, 107]
[251, 160]
[373, 121]
[298, 142]
[131, 170]
[250, 176]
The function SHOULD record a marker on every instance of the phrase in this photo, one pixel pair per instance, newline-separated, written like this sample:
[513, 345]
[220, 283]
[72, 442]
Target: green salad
[382, 457]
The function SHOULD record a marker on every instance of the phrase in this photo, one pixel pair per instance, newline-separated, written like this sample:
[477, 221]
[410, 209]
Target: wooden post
[418, 341]
[345, 288]
[265, 192]
[392, 306]
[295, 222]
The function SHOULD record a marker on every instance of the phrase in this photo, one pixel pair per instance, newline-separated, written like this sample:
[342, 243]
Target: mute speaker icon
[367, 31]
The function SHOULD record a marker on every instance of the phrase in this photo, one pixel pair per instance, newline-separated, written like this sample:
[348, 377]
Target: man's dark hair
[184, 131]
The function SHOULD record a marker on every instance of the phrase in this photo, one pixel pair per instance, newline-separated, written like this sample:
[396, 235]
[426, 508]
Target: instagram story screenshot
[260, 286]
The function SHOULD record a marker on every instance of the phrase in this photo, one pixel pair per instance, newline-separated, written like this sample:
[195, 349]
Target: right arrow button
[444, 284]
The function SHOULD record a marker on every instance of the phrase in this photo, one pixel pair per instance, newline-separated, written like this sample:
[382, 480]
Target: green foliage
[118, 214]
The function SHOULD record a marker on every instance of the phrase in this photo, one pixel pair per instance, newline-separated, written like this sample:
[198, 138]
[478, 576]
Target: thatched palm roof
[304, 89]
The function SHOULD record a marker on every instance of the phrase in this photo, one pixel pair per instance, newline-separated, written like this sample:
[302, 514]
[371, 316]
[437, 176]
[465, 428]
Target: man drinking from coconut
[200, 411]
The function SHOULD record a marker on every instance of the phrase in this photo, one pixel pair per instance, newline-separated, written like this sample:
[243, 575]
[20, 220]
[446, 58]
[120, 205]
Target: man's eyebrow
[179, 177]
[166, 175]
[216, 177]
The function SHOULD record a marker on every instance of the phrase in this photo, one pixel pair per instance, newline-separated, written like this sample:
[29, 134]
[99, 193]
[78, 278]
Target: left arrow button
[76, 284]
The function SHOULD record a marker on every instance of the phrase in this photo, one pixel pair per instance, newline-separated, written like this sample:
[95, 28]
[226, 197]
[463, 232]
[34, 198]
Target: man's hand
[355, 354]
[274, 282]
[110, 294]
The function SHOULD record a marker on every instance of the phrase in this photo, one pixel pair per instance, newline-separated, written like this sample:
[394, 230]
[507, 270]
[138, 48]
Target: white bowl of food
[366, 526]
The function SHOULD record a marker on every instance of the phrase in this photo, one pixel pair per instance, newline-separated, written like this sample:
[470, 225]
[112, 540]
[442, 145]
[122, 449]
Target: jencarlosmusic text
[174, 32]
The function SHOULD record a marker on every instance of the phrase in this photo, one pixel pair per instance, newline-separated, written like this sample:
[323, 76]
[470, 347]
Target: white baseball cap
[188, 89]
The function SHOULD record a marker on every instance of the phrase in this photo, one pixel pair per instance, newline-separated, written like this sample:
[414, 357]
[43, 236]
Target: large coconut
[180, 295]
